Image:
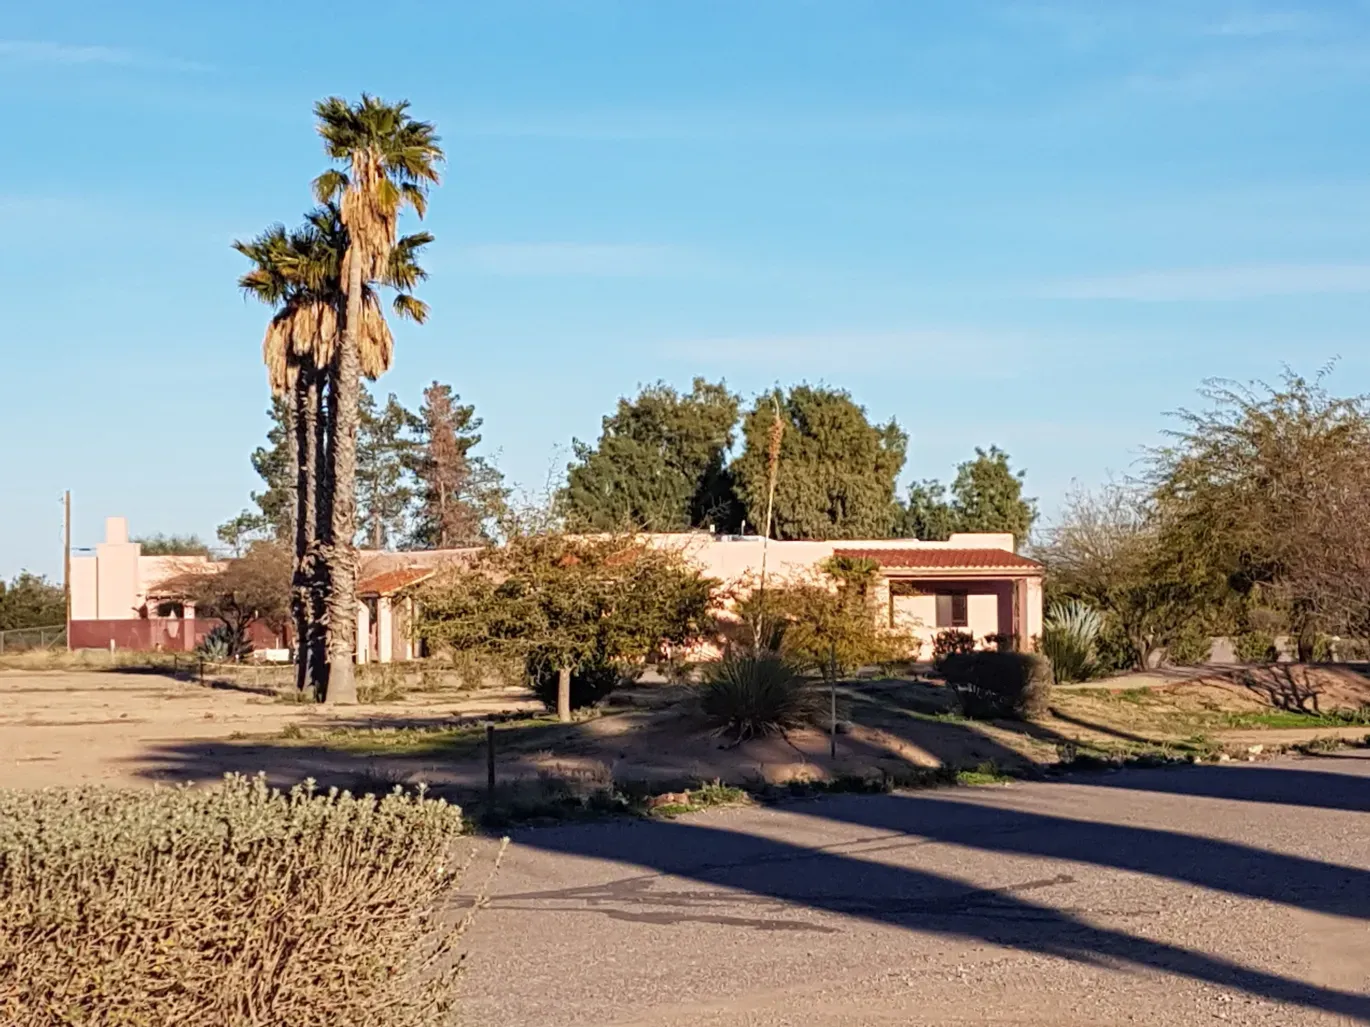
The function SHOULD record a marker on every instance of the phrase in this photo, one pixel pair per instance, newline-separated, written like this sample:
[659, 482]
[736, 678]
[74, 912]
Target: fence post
[490, 761]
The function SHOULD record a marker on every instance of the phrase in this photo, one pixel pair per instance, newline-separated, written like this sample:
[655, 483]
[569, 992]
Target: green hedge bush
[1255, 647]
[236, 904]
[993, 685]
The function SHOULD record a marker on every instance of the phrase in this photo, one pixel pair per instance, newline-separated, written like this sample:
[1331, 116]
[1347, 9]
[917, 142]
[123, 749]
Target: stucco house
[974, 583]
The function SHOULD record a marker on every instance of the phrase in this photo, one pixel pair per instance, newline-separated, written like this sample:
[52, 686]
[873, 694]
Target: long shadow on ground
[920, 900]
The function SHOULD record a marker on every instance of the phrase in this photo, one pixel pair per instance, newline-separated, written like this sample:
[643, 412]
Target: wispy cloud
[38, 52]
[1216, 283]
[551, 259]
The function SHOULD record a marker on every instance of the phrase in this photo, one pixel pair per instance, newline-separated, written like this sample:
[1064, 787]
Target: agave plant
[221, 644]
[1069, 637]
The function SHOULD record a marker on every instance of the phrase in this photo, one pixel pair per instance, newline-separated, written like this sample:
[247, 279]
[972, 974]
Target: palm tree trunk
[322, 529]
[564, 695]
[301, 578]
[341, 551]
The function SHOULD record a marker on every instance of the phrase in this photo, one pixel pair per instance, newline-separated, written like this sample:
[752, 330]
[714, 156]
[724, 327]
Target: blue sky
[1037, 225]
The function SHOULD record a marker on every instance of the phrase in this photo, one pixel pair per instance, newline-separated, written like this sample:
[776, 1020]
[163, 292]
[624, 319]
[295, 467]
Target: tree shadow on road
[908, 897]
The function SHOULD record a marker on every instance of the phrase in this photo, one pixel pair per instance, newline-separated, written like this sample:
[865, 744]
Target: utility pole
[66, 557]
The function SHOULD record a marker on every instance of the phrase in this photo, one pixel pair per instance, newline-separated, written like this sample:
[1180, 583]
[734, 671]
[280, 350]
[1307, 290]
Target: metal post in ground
[490, 761]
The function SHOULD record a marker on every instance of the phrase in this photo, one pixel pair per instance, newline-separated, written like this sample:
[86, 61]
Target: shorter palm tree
[298, 273]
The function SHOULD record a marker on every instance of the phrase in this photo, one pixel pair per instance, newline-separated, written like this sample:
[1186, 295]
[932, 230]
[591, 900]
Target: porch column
[385, 630]
[363, 632]
[188, 626]
[1022, 641]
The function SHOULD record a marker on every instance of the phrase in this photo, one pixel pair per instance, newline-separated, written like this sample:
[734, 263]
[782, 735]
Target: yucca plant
[751, 695]
[1069, 638]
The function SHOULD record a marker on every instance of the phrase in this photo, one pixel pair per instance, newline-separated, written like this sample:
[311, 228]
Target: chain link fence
[18, 640]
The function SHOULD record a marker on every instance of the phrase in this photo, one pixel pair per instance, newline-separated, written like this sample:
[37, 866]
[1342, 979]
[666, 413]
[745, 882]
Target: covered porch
[993, 595]
[385, 616]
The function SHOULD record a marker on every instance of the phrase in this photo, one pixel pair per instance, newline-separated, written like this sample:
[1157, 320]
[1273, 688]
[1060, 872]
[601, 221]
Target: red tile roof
[389, 582]
[921, 558]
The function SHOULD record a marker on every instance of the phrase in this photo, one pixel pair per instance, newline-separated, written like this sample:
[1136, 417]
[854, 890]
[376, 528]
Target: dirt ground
[62, 727]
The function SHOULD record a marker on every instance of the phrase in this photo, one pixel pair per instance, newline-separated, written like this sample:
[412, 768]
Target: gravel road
[1235, 894]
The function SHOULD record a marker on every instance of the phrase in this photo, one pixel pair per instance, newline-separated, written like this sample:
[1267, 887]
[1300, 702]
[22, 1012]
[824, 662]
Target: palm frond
[410, 307]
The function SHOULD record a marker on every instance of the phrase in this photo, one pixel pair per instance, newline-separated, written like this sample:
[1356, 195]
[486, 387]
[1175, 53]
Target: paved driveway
[1224, 894]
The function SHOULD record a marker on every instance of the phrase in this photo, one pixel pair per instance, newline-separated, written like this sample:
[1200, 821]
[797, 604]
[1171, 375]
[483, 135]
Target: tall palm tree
[390, 159]
[298, 273]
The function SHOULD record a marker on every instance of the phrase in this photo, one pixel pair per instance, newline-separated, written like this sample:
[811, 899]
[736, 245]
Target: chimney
[116, 530]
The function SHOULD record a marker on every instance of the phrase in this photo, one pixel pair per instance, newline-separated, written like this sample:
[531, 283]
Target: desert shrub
[231, 905]
[992, 685]
[1255, 647]
[951, 642]
[588, 684]
[1070, 633]
[1323, 649]
[1113, 650]
[750, 695]
[1191, 647]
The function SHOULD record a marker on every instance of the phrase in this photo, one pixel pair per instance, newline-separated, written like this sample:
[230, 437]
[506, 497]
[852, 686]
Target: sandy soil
[82, 727]
[121, 728]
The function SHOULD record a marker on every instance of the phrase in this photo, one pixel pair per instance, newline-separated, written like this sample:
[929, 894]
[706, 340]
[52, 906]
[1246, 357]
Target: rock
[1255, 750]
[1224, 758]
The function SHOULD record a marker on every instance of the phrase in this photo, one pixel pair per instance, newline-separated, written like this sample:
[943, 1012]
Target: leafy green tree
[460, 496]
[31, 601]
[1267, 493]
[386, 450]
[390, 160]
[658, 464]
[986, 496]
[568, 607]
[252, 587]
[837, 471]
[1107, 548]
[172, 545]
[927, 515]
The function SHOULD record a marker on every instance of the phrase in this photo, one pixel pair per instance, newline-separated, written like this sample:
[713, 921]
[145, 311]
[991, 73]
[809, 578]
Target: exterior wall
[114, 583]
[731, 559]
[83, 584]
[118, 594]
[157, 633]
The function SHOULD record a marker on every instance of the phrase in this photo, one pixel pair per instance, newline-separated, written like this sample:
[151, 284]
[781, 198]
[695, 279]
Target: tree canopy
[172, 545]
[659, 463]
[31, 601]
[986, 496]
[569, 604]
[837, 471]
[252, 587]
